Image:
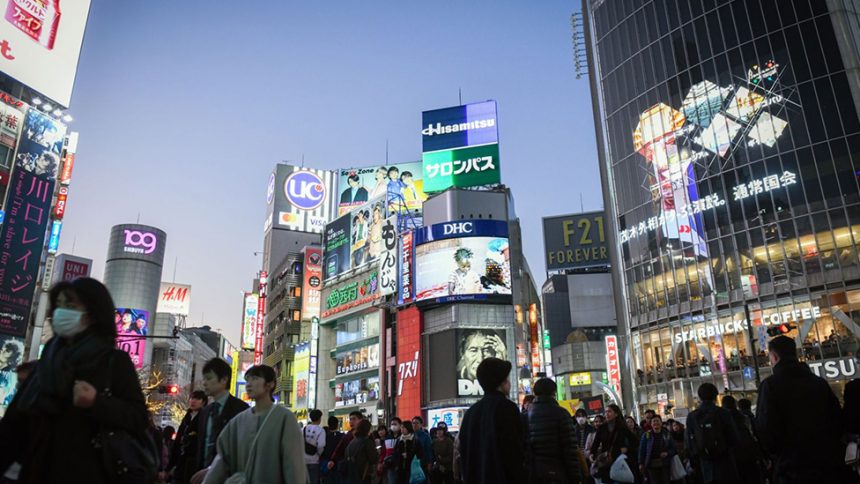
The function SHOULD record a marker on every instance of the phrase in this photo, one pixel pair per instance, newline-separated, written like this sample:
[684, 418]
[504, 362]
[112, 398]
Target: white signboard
[388, 257]
[174, 299]
[40, 42]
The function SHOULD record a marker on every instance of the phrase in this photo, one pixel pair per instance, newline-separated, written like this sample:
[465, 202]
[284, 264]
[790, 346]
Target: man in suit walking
[214, 417]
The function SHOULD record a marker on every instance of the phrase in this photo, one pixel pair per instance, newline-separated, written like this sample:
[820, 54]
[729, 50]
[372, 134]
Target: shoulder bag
[127, 457]
[310, 449]
[243, 476]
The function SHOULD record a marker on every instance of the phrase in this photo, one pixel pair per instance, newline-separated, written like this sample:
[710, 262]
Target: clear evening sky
[184, 108]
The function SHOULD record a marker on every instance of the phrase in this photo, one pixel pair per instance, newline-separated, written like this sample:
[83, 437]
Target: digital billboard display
[458, 126]
[474, 346]
[312, 283]
[249, 321]
[299, 198]
[462, 167]
[575, 241]
[462, 260]
[132, 326]
[354, 240]
[358, 359]
[301, 376]
[401, 184]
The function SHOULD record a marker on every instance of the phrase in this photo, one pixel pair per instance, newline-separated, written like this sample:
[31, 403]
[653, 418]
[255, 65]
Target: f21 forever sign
[460, 147]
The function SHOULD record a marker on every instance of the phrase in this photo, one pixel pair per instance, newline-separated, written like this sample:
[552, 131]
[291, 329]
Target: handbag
[243, 476]
[416, 473]
[126, 456]
[677, 471]
[620, 471]
[852, 454]
[310, 449]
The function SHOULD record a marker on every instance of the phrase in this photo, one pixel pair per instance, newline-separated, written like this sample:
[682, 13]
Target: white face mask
[67, 322]
[395, 429]
[581, 420]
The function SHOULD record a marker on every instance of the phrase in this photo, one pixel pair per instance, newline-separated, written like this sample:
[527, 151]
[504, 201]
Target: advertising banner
[575, 241]
[356, 392]
[54, 240]
[299, 198]
[60, 206]
[336, 245]
[401, 184]
[408, 361]
[388, 258]
[43, 36]
[174, 299]
[351, 294]
[406, 291]
[463, 167]
[138, 242]
[11, 120]
[462, 260]
[449, 416]
[261, 318]
[366, 233]
[301, 375]
[249, 321]
[312, 284]
[593, 405]
[613, 366]
[72, 267]
[359, 359]
[476, 345]
[132, 326]
[458, 126]
[11, 355]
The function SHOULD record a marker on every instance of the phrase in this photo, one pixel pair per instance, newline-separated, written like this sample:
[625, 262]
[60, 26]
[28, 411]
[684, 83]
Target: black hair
[266, 372]
[419, 419]
[707, 392]
[615, 408]
[648, 410]
[315, 415]
[545, 388]
[580, 412]
[407, 424]
[528, 399]
[405, 174]
[199, 395]
[358, 414]
[393, 168]
[220, 368]
[745, 404]
[354, 177]
[730, 403]
[784, 347]
[397, 419]
[363, 429]
[97, 302]
[333, 422]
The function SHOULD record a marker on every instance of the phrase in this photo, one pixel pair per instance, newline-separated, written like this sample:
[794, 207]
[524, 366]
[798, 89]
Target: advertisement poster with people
[463, 267]
[11, 355]
[40, 147]
[475, 346]
[355, 239]
[401, 184]
[132, 326]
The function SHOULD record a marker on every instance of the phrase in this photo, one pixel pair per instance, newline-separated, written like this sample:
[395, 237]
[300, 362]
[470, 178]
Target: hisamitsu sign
[575, 241]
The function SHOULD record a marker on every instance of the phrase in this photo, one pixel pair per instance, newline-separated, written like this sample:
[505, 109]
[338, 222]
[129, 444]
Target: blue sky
[184, 108]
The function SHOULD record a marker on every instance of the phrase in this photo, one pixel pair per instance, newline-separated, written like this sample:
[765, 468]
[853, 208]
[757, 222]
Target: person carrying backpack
[711, 436]
[314, 436]
[362, 456]
[333, 436]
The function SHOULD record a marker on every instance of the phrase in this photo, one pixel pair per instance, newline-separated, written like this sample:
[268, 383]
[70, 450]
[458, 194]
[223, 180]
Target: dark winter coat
[851, 411]
[404, 451]
[232, 407]
[362, 456]
[720, 468]
[551, 448]
[491, 442]
[613, 441]
[582, 432]
[799, 422]
[646, 447]
[184, 454]
[51, 438]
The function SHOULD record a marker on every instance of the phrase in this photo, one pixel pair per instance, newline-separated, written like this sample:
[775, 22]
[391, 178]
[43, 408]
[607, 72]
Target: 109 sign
[138, 242]
[305, 190]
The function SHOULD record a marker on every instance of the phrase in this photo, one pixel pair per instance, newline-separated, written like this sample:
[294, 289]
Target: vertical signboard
[534, 334]
[312, 284]
[388, 258]
[54, 240]
[613, 367]
[460, 147]
[301, 375]
[249, 321]
[234, 371]
[22, 235]
[174, 298]
[261, 318]
[132, 326]
[408, 388]
[407, 283]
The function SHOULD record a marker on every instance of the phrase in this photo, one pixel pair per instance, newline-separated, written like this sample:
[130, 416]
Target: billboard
[312, 284]
[388, 257]
[301, 376]
[458, 126]
[137, 242]
[358, 359]
[132, 326]
[451, 417]
[408, 349]
[43, 36]
[402, 185]
[613, 365]
[406, 289]
[261, 318]
[462, 167]
[476, 345]
[354, 240]
[299, 198]
[249, 321]
[462, 260]
[356, 392]
[11, 355]
[70, 267]
[11, 120]
[174, 299]
[350, 294]
[575, 241]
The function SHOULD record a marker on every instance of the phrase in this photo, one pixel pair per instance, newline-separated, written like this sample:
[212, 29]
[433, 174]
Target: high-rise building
[728, 138]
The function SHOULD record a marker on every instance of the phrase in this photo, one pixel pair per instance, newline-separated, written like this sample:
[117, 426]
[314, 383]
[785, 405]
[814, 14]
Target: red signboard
[60, 207]
[73, 270]
[66, 173]
[261, 317]
[408, 383]
[312, 284]
[535, 339]
[613, 367]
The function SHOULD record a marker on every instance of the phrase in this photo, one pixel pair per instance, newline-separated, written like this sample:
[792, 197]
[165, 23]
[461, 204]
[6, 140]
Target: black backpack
[709, 435]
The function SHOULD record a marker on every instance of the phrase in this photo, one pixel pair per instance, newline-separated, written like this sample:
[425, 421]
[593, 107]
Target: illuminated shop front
[729, 162]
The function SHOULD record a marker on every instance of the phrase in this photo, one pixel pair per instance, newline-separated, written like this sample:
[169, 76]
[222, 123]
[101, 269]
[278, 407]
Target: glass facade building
[730, 153]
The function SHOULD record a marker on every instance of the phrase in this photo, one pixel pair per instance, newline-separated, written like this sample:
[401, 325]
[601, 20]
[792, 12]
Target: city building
[283, 325]
[727, 133]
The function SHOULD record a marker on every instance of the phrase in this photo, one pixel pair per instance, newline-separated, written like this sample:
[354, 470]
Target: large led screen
[474, 346]
[401, 184]
[132, 326]
[462, 260]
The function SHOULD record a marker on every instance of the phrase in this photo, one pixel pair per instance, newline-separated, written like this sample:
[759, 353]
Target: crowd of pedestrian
[80, 413]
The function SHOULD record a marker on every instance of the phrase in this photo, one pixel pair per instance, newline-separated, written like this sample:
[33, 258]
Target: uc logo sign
[305, 190]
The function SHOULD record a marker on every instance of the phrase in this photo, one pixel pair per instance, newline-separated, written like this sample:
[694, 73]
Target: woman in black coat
[82, 384]
[407, 447]
[615, 439]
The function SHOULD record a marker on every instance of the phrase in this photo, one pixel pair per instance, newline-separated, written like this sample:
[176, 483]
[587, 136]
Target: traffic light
[169, 389]
[784, 328]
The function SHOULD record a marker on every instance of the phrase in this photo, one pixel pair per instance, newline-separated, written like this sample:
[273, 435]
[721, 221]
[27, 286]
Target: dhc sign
[462, 228]
[458, 228]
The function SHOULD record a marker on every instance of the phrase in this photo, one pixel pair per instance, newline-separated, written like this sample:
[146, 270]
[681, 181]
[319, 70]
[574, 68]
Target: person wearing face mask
[81, 385]
[387, 463]
[582, 428]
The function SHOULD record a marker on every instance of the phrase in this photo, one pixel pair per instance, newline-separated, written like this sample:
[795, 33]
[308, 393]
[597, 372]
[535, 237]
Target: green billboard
[462, 167]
